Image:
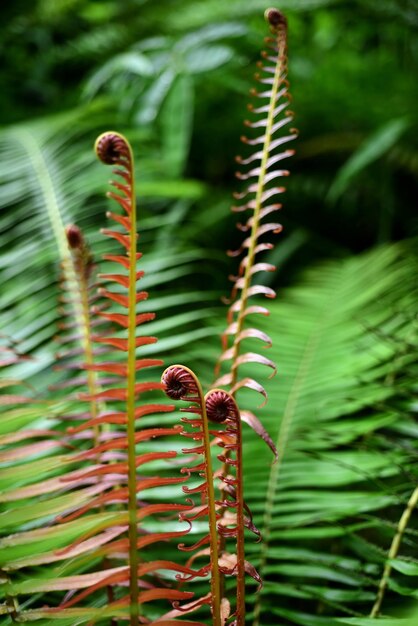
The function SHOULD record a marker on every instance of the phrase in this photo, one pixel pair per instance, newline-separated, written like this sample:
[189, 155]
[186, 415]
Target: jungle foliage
[336, 510]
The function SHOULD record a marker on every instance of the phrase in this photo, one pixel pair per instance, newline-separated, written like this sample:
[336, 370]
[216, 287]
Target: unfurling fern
[258, 195]
[121, 479]
[100, 485]
[259, 198]
[220, 408]
[77, 321]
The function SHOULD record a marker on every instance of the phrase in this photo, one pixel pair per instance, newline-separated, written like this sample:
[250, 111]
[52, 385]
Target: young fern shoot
[259, 198]
[77, 352]
[96, 507]
[220, 408]
[117, 449]
[181, 383]
[261, 171]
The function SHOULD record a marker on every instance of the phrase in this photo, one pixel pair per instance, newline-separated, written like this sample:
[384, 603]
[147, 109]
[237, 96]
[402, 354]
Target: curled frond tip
[178, 382]
[74, 236]
[220, 406]
[110, 147]
[275, 18]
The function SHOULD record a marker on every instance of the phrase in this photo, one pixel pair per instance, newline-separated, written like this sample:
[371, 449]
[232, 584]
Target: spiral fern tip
[275, 18]
[111, 146]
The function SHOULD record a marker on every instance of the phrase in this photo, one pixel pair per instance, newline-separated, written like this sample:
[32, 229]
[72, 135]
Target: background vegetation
[174, 77]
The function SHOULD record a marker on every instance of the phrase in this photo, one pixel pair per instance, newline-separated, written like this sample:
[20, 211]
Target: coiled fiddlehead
[222, 409]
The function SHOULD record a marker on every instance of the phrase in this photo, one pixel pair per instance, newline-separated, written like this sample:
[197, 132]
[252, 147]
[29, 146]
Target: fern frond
[258, 195]
[77, 323]
[229, 515]
[393, 552]
[346, 464]
[91, 501]
[181, 383]
[117, 470]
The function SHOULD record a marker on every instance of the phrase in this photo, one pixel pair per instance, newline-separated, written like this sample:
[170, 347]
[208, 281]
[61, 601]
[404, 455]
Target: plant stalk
[214, 553]
[130, 413]
[393, 552]
[240, 525]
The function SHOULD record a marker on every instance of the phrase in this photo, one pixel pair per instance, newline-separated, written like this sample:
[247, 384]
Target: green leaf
[133, 63]
[177, 123]
[337, 334]
[207, 58]
[372, 149]
[372, 621]
[154, 96]
[408, 568]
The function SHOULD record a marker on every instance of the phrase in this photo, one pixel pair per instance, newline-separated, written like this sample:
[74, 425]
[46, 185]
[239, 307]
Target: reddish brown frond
[181, 383]
[113, 475]
[222, 409]
[252, 420]
[77, 284]
[261, 170]
[226, 515]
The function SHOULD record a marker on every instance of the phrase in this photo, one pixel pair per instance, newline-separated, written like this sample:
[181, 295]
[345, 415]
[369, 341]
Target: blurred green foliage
[179, 71]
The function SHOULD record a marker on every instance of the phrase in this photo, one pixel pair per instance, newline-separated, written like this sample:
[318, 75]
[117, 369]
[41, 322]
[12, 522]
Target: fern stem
[261, 182]
[220, 406]
[256, 222]
[240, 525]
[84, 324]
[130, 412]
[393, 552]
[214, 553]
